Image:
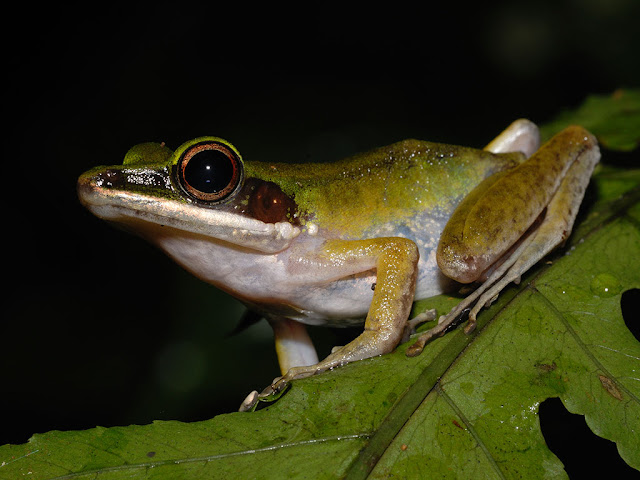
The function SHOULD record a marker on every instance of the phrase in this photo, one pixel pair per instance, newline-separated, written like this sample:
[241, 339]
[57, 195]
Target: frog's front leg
[537, 205]
[395, 260]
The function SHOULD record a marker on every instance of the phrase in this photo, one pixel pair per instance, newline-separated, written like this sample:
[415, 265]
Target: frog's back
[388, 185]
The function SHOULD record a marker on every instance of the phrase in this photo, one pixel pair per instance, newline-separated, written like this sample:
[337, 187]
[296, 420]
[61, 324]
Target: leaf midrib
[415, 394]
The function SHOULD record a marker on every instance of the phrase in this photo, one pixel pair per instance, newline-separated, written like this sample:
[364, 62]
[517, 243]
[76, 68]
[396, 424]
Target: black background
[101, 329]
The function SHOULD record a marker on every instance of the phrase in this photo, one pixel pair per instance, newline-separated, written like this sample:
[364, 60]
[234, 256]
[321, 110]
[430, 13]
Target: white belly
[316, 294]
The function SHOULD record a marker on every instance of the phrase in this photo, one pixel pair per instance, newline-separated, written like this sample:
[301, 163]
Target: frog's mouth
[165, 207]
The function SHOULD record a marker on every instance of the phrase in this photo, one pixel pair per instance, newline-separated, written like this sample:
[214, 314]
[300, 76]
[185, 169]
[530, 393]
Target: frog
[355, 241]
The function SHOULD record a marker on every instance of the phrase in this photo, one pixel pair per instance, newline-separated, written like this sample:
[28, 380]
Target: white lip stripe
[227, 226]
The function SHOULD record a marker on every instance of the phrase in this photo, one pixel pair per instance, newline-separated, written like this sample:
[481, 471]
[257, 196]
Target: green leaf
[614, 119]
[466, 408]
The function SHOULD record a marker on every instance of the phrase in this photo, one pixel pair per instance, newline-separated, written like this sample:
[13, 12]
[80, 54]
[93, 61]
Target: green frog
[355, 241]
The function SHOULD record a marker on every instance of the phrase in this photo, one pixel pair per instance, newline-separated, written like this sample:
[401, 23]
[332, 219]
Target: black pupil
[209, 171]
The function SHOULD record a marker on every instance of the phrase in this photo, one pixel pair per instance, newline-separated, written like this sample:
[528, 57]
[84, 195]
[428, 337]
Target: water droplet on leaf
[605, 285]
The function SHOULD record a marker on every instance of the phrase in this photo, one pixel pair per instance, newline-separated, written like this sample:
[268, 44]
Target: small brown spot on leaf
[457, 425]
[545, 367]
[404, 447]
[611, 387]
[151, 454]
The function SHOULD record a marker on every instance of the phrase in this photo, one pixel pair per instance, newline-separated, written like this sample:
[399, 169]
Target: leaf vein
[209, 458]
[470, 428]
[576, 337]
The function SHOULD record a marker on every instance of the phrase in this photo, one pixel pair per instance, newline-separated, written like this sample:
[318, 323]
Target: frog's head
[200, 188]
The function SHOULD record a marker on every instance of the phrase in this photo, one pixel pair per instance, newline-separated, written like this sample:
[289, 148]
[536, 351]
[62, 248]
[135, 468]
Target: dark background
[101, 329]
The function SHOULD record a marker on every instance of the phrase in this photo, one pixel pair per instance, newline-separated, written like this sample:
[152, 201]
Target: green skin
[306, 242]
[385, 186]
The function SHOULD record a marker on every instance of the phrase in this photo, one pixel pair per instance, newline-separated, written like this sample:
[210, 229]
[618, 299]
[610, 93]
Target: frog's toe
[278, 385]
[249, 402]
[269, 394]
[416, 348]
[471, 325]
[445, 324]
[426, 316]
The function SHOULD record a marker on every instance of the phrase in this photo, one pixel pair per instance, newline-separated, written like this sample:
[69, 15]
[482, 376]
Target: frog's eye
[209, 171]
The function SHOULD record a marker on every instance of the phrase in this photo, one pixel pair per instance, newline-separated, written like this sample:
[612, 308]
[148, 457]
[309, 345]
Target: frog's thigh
[293, 345]
[396, 262]
[486, 225]
[521, 136]
[556, 225]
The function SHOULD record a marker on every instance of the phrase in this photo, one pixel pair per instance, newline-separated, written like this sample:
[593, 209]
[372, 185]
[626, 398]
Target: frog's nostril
[92, 182]
[109, 178]
[101, 178]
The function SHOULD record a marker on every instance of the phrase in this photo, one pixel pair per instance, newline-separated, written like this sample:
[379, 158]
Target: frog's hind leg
[521, 136]
[553, 229]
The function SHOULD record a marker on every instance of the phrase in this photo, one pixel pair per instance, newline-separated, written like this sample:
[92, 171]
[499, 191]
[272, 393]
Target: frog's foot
[369, 344]
[269, 394]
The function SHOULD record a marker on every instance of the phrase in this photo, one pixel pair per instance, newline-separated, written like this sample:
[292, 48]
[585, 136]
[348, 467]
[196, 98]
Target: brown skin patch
[269, 204]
